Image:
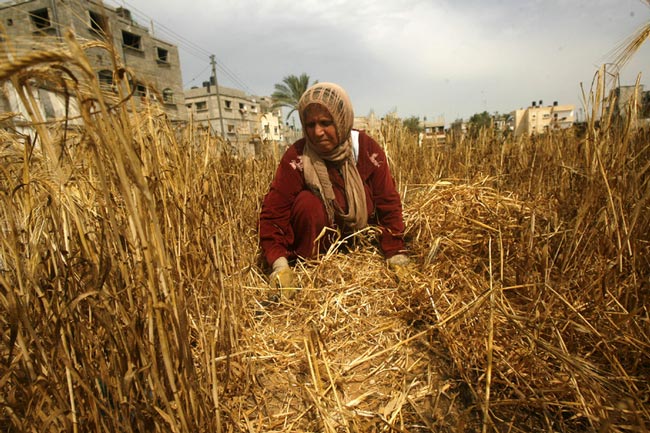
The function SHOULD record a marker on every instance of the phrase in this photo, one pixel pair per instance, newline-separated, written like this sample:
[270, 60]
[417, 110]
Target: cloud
[422, 57]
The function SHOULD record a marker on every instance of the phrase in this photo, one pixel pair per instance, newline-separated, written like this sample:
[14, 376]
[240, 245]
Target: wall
[154, 63]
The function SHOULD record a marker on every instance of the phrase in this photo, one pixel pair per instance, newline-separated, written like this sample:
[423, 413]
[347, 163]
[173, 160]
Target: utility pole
[216, 86]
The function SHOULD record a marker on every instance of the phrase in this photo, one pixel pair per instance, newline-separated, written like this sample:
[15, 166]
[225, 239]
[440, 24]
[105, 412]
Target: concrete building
[155, 63]
[370, 123]
[630, 98]
[433, 131]
[239, 118]
[539, 119]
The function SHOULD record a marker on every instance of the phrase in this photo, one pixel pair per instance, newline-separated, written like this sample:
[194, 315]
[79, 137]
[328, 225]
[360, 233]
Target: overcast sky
[432, 58]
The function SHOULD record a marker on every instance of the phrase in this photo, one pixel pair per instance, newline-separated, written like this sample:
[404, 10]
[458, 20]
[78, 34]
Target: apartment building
[239, 118]
[539, 119]
[433, 131]
[154, 62]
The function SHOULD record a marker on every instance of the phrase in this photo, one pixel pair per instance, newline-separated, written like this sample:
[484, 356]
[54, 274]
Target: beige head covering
[336, 101]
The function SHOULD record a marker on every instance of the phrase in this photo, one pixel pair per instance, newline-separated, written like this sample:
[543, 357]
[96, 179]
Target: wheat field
[132, 296]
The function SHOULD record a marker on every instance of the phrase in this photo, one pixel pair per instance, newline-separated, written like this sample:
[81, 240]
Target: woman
[332, 177]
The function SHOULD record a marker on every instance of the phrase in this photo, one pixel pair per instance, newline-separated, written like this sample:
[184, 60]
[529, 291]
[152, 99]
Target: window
[201, 106]
[10, 22]
[162, 55]
[98, 23]
[231, 129]
[228, 104]
[105, 79]
[267, 129]
[140, 90]
[131, 40]
[242, 106]
[168, 96]
[40, 18]
[253, 109]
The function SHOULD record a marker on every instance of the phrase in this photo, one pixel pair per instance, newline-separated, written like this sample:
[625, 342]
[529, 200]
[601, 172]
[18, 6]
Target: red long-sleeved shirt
[382, 199]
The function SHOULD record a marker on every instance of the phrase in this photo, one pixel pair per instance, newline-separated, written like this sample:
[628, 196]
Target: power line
[187, 83]
[189, 46]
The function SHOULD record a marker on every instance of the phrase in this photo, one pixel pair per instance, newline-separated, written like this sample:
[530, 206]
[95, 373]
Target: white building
[539, 119]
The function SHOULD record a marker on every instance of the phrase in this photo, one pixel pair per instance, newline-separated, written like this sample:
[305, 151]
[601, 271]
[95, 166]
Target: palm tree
[288, 93]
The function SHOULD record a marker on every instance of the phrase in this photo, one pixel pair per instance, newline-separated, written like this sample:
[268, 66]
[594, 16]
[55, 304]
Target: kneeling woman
[333, 177]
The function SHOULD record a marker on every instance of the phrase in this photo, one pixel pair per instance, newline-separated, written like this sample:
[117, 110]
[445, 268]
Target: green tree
[412, 124]
[480, 120]
[288, 92]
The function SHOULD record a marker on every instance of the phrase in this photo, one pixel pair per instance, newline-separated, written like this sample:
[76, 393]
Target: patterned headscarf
[336, 101]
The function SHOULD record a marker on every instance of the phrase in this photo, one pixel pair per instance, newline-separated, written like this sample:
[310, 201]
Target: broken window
[228, 103]
[40, 18]
[131, 40]
[162, 55]
[98, 23]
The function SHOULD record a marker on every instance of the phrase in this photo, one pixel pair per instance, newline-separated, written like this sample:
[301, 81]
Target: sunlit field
[133, 297]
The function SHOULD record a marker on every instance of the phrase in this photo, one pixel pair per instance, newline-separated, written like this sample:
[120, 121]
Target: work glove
[283, 279]
[401, 265]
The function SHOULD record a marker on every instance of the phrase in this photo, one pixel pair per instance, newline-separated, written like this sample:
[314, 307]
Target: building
[234, 115]
[628, 98]
[433, 132]
[370, 123]
[155, 63]
[622, 96]
[539, 119]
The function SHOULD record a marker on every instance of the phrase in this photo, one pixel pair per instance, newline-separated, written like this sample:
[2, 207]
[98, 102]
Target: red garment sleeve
[274, 224]
[374, 169]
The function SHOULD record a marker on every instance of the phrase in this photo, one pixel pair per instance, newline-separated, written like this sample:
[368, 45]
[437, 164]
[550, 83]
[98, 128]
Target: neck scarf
[336, 101]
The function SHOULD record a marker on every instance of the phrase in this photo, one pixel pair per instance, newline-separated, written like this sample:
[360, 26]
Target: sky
[424, 58]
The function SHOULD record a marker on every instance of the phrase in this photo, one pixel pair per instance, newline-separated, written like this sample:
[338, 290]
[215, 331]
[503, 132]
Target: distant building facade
[234, 115]
[630, 98]
[433, 132]
[154, 62]
[370, 123]
[539, 119]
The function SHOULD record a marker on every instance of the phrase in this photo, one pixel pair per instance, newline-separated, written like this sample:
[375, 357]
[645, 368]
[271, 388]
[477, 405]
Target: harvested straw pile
[132, 299]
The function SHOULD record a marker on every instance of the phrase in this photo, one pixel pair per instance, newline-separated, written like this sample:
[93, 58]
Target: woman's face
[320, 128]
